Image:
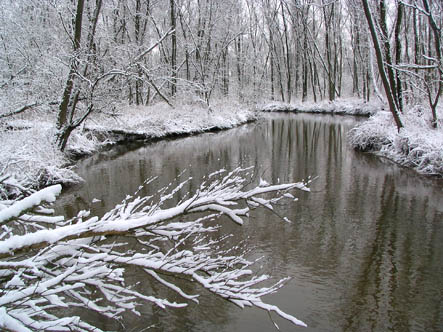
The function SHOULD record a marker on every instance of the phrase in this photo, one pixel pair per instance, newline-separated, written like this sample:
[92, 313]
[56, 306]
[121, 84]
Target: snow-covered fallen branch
[17, 111]
[62, 266]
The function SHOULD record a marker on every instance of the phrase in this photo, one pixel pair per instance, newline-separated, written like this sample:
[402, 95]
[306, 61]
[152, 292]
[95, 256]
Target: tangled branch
[57, 267]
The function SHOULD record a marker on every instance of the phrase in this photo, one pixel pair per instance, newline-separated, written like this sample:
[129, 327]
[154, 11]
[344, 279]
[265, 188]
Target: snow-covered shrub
[380, 135]
[418, 145]
[30, 157]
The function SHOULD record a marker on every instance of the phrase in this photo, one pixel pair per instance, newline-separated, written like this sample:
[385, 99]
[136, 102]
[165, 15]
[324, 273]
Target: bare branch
[18, 111]
[71, 260]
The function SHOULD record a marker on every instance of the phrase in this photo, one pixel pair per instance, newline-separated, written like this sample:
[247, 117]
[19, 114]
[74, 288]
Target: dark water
[365, 249]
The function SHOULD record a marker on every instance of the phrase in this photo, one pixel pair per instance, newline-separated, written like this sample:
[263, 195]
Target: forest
[79, 76]
[75, 58]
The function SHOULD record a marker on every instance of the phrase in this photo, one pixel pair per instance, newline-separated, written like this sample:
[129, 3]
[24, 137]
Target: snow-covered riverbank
[27, 152]
[28, 155]
[417, 146]
[340, 106]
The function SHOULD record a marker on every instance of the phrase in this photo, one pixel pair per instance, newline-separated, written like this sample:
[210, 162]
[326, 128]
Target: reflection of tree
[336, 227]
[367, 231]
[394, 285]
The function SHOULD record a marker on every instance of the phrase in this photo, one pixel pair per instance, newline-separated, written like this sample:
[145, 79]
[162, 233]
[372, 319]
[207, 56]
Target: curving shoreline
[418, 146]
[28, 154]
[28, 157]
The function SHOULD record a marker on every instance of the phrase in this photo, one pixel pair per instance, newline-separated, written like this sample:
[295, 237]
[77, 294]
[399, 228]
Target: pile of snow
[340, 106]
[418, 145]
[47, 194]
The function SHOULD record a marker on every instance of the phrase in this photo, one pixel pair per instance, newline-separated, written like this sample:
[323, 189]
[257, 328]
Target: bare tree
[173, 48]
[66, 120]
[437, 60]
[398, 84]
[381, 65]
[250, 50]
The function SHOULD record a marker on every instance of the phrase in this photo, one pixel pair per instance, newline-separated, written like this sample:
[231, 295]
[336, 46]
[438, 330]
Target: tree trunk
[388, 58]
[287, 55]
[271, 61]
[173, 50]
[398, 92]
[381, 66]
[63, 108]
[238, 53]
[225, 73]
[305, 71]
[65, 118]
[356, 44]
[438, 55]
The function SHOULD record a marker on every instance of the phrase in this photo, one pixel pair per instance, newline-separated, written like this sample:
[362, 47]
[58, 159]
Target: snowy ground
[348, 106]
[418, 145]
[28, 154]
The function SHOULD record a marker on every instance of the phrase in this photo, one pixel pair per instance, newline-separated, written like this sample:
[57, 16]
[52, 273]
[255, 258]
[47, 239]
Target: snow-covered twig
[76, 265]
[45, 195]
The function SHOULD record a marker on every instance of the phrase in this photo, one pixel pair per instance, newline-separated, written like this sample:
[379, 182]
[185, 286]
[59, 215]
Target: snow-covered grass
[418, 145]
[346, 106]
[28, 154]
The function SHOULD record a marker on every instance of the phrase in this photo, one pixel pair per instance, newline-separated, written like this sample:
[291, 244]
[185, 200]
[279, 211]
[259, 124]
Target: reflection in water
[365, 248]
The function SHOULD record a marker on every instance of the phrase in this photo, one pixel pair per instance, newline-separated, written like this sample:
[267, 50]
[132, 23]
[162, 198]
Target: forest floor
[29, 157]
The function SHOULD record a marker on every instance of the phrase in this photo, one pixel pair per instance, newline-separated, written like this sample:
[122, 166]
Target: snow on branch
[17, 111]
[48, 194]
[81, 263]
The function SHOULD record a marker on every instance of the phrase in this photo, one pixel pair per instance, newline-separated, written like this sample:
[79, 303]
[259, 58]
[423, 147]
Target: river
[364, 250]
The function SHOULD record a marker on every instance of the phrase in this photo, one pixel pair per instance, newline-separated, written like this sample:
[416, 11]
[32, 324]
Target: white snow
[346, 106]
[15, 282]
[263, 183]
[161, 120]
[29, 154]
[48, 194]
[9, 323]
[30, 157]
[418, 145]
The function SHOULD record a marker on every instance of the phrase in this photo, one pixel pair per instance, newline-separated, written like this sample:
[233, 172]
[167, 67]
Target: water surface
[364, 250]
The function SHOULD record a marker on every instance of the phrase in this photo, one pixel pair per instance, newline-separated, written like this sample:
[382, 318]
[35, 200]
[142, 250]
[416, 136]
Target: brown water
[365, 249]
